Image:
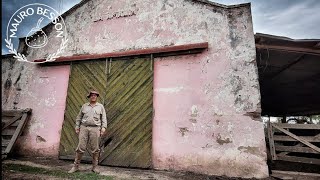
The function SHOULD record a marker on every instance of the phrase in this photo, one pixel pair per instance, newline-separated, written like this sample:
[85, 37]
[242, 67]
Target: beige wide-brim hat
[92, 92]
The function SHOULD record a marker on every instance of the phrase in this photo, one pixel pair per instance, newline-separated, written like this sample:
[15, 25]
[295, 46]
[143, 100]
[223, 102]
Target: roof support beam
[289, 49]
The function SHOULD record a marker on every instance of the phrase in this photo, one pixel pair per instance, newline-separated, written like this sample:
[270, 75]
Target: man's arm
[104, 119]
[78, 118]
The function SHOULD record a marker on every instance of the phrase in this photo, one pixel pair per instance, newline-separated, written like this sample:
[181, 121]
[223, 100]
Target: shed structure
[182, 73]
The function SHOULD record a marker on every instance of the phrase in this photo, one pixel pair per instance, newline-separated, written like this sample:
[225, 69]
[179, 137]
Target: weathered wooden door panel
[126, 90]
[84, 77]
[129, 103]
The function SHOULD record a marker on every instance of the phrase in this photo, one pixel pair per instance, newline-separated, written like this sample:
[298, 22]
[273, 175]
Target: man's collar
[88, 104]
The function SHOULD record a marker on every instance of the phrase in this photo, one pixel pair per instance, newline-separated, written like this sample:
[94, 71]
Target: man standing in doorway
[91, 123]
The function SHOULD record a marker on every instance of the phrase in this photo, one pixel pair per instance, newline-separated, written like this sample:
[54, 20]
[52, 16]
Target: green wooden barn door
[126, 88]
[129, 105]
[84, 77]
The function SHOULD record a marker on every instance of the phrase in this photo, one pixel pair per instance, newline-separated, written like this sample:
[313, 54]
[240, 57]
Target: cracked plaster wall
[42, 90]
[207, 106]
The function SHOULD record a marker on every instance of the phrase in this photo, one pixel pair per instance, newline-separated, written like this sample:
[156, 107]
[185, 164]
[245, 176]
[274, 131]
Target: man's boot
[95, 161]
[77, 160]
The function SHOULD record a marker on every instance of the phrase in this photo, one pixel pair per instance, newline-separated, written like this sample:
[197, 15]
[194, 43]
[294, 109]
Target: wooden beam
[8, 132]
[299, 159]
[11, 112]
[5, 142]
[289, 49]
[297, 138]
[13, 120]
[299, 126]
[155, 51]
[294, 175]
[288, 138]
[295, 149]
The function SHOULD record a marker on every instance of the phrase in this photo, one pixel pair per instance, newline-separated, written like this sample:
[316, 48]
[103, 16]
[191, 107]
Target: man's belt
[88, 125]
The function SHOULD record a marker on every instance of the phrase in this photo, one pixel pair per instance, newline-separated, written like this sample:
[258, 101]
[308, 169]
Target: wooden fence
[294, 142]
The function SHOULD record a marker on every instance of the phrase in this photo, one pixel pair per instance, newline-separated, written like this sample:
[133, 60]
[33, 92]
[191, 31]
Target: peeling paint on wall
[169, 90]
[183, 130]
[43, 90]
[222, 141]
[204, 104]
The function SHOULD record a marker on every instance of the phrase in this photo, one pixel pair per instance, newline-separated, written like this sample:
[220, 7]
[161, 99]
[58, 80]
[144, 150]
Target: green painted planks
[126, 90]
[84, 77]
[129, 100]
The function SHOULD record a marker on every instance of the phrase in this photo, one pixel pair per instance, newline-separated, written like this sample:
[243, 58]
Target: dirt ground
[115, 172]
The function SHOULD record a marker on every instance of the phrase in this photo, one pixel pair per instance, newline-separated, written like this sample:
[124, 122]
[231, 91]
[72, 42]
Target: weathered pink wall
[43, 89]
[207, 106]
[193, 130]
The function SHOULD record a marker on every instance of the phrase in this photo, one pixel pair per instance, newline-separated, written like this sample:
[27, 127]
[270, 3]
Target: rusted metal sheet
[12, 123]
[126, 92]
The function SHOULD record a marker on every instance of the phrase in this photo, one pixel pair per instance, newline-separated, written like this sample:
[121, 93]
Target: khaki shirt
[92, 115]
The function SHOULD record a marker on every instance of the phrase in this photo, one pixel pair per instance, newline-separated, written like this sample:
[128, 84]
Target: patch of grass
[55, 173]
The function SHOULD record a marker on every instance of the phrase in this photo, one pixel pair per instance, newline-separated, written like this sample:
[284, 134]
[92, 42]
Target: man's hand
[77, 130]
[103, 131]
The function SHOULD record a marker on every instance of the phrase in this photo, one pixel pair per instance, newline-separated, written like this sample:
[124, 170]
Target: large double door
[126, 91]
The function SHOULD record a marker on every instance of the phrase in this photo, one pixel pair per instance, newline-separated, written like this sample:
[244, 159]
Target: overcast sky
[298, 19]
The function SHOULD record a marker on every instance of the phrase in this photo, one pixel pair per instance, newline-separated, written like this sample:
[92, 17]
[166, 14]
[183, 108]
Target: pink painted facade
[203, 103]
[43, 89]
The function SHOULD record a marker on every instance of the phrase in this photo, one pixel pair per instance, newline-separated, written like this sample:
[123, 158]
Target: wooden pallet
[12, 125]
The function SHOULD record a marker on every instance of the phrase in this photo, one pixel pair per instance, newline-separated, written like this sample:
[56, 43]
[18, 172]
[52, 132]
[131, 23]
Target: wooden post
[271, 141]
[284, 119]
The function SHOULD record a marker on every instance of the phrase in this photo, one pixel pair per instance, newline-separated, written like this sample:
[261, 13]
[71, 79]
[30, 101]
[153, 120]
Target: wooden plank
[288, 49]
[285, 153]
[5, 142]
[128, 53]
[11, 112]
[299, 159]
[15, 124]
[271, 141]
[288, 138]
[8, 132]
[295, 149]
[18, 130]
[13, 120]
[299, 126]
[297, 138]
[3, 156]
[294, 175]
[5, 119]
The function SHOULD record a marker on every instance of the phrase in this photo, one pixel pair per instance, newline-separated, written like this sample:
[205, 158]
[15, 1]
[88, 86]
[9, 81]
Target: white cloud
[295, 19]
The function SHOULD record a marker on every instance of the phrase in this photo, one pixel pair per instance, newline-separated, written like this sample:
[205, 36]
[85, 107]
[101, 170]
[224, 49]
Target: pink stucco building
[206, 105]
